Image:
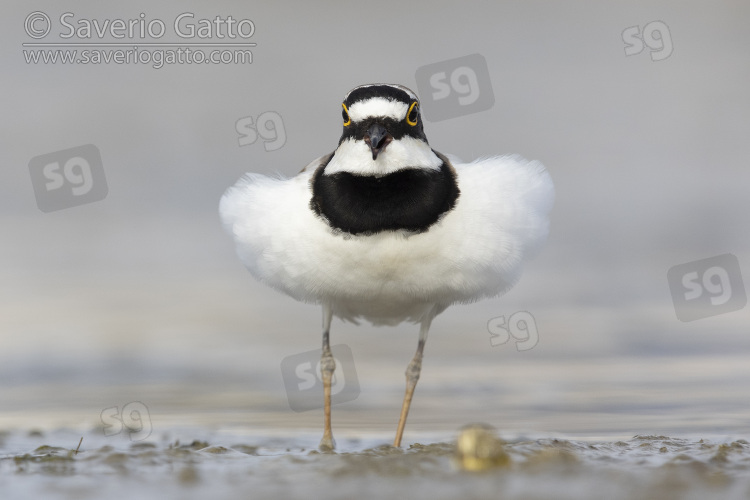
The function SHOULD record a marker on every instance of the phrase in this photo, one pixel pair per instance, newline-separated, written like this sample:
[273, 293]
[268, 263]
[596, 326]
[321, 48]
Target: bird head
[382, 132]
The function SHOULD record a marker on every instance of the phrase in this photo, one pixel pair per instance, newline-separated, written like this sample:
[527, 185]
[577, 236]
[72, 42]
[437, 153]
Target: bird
[387, 229]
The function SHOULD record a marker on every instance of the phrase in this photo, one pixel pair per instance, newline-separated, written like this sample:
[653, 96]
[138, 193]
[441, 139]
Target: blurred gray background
[140, 297]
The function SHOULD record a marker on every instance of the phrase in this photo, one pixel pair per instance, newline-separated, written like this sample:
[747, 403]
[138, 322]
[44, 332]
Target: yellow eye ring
[410, 122]
[347, 118]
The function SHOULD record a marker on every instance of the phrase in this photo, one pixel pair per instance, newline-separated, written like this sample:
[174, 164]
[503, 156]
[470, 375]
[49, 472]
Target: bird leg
[412, 376]
[327, 367]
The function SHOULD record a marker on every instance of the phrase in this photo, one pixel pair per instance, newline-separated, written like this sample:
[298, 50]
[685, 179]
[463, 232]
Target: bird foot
[327, 444]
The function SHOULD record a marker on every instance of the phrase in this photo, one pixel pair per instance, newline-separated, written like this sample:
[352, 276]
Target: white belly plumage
[476, 250]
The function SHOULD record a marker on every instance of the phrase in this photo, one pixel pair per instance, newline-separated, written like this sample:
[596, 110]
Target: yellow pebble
[478, 449]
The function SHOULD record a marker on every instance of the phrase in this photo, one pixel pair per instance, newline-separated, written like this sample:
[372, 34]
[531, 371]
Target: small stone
[478, 449]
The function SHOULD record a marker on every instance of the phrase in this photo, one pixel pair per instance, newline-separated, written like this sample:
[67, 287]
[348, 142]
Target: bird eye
[413, 114]
[345, 115]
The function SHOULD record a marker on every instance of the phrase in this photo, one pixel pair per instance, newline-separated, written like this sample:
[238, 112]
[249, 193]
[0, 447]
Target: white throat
[354, 156]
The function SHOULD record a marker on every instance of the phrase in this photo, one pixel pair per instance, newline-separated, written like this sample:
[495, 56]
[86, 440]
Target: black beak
[377, 137]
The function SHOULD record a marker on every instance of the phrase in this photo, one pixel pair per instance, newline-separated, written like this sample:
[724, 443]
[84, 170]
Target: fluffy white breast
[476, 250]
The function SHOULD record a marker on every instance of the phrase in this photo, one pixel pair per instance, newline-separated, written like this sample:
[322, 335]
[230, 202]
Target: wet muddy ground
[45, 464]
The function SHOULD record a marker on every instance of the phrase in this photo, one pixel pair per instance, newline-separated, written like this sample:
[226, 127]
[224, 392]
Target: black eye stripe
[397, 128]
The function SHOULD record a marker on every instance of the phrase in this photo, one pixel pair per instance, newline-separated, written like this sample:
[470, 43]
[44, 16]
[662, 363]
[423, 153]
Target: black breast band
[412, 199]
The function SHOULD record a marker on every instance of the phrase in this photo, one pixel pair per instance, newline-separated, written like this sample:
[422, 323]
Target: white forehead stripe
[412, 95]
[378, 106]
